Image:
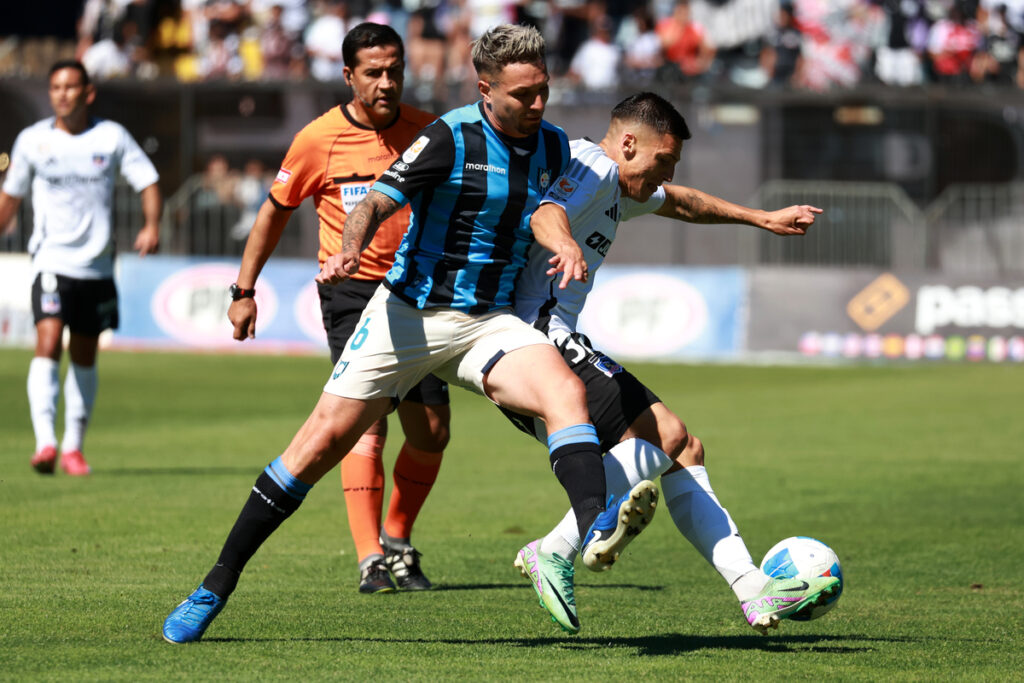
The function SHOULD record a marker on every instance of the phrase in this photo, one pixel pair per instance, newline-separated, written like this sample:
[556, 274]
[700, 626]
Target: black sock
[580, 470]
[269, 504]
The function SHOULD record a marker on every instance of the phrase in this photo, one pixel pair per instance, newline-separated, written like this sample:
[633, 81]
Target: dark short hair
[369, 34]
[69, 64]
[653, 111]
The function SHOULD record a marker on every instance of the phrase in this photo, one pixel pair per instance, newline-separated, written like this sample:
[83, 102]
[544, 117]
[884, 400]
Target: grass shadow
[646, 646]
[493, 586]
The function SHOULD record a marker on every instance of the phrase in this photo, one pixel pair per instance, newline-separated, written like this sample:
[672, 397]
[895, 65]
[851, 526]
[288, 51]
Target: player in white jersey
[70, 162]
[605, 183]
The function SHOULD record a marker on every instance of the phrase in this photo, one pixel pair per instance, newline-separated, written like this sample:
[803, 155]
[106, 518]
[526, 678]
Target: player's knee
[435, 441]
[674, 436]
[693, 453]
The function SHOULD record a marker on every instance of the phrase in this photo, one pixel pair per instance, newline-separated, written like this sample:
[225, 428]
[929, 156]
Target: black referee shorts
[615, 398]
[87, 307]
[341, 306]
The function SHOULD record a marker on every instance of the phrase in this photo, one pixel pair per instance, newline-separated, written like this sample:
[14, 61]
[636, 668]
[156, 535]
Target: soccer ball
[804, 558]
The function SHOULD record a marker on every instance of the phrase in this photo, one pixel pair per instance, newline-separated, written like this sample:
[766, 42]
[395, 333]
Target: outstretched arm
[263, 238]
[148, 239]
[360, 227]
[551, 228]
[693, 206]
[8, 207]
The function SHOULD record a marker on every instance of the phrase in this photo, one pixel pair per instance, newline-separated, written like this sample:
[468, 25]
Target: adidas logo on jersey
[613, 212]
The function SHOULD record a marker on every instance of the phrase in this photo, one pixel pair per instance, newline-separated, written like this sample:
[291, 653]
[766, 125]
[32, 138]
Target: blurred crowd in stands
[594, 45]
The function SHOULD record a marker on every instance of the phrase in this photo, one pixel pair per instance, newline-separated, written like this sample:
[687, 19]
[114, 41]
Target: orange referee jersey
[335, 160]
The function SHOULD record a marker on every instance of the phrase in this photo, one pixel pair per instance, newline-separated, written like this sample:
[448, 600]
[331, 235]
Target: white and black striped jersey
[72, 182]
[589, 192]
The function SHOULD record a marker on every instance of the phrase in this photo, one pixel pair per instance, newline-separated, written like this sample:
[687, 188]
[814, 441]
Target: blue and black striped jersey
[472, 191]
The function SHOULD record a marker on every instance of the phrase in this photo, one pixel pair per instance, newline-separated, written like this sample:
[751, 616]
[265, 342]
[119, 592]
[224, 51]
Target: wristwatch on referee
[239, 293]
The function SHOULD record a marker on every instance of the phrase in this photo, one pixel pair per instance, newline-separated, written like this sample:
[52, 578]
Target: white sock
[43, 390]
[625, 465]
[79, 395]
[707, 525]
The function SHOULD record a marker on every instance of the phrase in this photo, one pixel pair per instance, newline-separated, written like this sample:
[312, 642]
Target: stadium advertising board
[878, 315]
[182, 302]
[666, 312]
[16, 326]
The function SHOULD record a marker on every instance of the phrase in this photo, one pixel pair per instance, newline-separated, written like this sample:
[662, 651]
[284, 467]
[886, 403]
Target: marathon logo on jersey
[100, 160]
[352, 194]
[282, 176]
[563, 188]
[400, 166]
[409, 155]
[488, 168]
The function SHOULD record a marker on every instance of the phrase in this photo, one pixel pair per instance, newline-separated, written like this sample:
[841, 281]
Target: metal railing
[969, 229]
[195, 222]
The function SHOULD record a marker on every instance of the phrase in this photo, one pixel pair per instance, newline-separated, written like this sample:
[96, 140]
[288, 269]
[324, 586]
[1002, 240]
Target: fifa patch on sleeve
[415, 148]
[563, 188]
[282, 176]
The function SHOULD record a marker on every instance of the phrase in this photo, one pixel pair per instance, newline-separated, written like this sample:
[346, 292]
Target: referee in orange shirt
[335, 159]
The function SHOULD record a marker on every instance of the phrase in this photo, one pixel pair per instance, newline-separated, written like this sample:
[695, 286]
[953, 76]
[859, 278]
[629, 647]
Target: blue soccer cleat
[188, 621]
[624, 518]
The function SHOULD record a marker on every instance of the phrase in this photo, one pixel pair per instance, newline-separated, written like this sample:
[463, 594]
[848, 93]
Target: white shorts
[396, 345]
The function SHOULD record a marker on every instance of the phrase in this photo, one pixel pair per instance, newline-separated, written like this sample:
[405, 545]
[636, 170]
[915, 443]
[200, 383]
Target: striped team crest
[543, 178]
[100, 160]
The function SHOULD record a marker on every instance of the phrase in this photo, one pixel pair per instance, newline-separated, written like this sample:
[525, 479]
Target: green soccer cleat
[552, 579]
[782, 598]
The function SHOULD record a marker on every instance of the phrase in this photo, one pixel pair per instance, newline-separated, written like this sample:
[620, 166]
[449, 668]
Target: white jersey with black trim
[589, 192]
[72, 182]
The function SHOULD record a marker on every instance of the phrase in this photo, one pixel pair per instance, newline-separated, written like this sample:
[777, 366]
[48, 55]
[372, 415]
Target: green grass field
[913, 474]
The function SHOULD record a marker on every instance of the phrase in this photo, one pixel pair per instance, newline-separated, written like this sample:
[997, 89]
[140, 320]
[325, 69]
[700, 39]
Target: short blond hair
[507, 44]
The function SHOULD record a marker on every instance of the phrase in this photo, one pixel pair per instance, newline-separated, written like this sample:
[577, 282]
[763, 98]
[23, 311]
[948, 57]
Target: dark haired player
[70, 163]
[619, 178]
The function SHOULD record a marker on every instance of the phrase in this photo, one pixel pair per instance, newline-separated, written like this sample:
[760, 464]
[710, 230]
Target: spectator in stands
[781, 57]
[248, 193]
[214, 204]
[596, 64]
[323, 41]
[282, 54]
[569, 23]
[685, 43]
[219, 58]
[642, 55]
[115, 56]
[952, 43]
[898, 61]
[1003, 52]
[425, 51]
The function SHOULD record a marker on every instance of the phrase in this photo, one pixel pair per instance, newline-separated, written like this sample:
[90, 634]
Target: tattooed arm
[360, 227]
[694, 206]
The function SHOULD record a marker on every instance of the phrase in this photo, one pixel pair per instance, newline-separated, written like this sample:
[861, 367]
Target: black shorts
[341, 306]
[87, 307]
[615, 398]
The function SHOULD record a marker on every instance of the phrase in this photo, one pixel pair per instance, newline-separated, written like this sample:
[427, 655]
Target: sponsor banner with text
[181, 302]
[874, 314]
[16, 325]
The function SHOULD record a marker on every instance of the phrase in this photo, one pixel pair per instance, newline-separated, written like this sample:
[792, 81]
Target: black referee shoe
[404, 563]
[375, 579]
